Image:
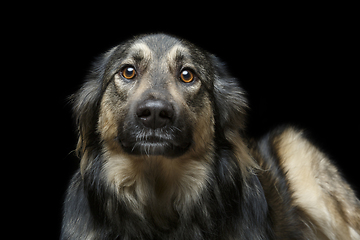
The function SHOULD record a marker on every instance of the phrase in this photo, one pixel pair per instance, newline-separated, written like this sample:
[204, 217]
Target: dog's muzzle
[155, 128]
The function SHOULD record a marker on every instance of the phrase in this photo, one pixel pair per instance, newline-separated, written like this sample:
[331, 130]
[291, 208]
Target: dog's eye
[187, 76]
[128, 72]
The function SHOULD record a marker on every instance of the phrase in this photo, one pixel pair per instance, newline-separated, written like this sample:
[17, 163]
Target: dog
[164, 155]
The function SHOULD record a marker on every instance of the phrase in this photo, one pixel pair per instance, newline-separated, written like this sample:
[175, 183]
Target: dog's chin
[155, 147]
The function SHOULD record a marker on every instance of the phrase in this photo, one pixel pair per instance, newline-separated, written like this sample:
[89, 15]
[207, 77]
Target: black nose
[155, 113]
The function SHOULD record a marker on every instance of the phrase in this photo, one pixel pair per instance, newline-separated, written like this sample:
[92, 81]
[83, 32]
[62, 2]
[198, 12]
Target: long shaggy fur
[192, 174]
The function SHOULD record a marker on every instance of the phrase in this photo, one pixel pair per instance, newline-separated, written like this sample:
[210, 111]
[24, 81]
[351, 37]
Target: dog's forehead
[159, 47]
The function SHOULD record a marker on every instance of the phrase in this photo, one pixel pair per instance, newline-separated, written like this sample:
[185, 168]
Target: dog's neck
[155, 185]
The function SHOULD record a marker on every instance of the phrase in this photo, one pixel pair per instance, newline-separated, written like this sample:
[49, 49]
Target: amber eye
[128, 72]
[187, 76]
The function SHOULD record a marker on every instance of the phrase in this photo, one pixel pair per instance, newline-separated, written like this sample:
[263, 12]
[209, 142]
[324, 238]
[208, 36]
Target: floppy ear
[86, 105]
[230, 115]
[230, 100]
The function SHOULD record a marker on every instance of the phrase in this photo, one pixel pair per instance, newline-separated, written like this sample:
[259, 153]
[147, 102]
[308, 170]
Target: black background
[298, 67]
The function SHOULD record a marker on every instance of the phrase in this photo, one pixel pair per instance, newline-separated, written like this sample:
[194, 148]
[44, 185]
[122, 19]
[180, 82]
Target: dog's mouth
[155, 143]
[152, 140]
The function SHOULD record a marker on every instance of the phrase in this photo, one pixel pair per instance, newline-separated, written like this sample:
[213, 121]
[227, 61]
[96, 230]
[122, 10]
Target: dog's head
[157, 95]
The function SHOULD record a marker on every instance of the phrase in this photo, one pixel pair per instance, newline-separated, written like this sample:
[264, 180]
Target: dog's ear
[230, 114]
[230, 100]
[86, 105]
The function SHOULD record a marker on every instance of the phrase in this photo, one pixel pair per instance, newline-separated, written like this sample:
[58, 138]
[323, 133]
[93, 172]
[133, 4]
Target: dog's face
[157, 99]
[157, 95]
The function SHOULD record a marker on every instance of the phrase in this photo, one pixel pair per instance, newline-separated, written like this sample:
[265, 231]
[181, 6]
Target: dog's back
[301, 182]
